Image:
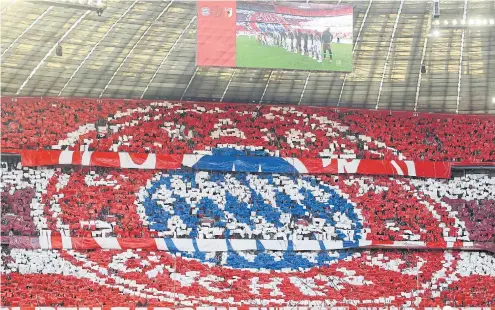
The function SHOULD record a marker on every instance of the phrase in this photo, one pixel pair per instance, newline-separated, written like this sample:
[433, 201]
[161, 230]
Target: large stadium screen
[275, 35]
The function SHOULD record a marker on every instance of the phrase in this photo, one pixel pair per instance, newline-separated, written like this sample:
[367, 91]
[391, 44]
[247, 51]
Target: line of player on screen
[306, 42]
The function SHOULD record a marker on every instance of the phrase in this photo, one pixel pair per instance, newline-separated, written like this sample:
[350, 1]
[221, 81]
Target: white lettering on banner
[326, 162]
[190, 160]
[126, 161]
[348, 166]
[65, 158]
[411, 168]
[272, 285]
[86, 159]
[397, 167]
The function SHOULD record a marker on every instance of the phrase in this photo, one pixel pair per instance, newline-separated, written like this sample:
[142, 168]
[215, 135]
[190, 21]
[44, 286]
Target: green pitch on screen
[251, 54]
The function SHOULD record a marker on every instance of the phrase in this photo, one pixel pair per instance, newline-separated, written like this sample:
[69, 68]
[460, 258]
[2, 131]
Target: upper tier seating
[282, 131]
[363, 278]
[186, 204]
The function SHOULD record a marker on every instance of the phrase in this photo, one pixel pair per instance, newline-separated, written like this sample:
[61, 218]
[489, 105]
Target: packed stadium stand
[212, 220]
[136, 277]
[292, 131]
[180, 204]
[130, 177]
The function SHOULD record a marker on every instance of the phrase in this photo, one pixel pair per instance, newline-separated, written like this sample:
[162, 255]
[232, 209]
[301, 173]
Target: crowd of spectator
[183, 128]
[85, 202]
[130, 278]
[99, 202]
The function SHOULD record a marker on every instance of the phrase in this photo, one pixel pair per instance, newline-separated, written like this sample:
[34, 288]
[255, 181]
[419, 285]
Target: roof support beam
[96, 45]
[166, 56]
[228, 85]
[133, 48]
[266, 87]
[388, 54]
[304, 88]
[354, 48]
[8, 6]
[51, 51]
[26, 30]
[423, 54]
[309, 74]
[464, 16]
[189, 84]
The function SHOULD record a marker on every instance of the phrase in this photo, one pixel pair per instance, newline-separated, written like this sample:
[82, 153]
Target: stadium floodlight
[423, 68]
[59, 50]
[435, 33]
[463, 21]
[471, 22]
[445, 22]
[492, 21]
[95, 5]
[478, 21]
[437, 22]
[436, 8]
[454, 22]
[485, 22]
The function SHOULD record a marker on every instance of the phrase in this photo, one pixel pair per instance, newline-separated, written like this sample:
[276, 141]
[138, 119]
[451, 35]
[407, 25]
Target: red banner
[40, 158]
[426, 169]
[101, 159]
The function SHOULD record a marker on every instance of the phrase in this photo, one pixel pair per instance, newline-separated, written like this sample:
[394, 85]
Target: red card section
[216, 34]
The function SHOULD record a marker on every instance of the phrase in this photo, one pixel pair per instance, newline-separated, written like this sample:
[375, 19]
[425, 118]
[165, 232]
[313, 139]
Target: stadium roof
[147, 49]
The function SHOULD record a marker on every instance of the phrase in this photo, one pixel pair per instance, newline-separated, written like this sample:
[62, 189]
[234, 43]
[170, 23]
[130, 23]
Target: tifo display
[101, 203]
[178, 204]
